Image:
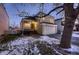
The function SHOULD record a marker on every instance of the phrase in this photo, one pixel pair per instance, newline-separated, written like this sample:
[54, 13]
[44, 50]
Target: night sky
[32, 9]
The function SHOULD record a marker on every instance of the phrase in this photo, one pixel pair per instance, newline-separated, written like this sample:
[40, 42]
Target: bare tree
[70, 17]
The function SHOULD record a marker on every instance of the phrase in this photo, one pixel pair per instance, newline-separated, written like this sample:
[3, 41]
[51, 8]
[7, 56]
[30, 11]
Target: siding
[3, 20]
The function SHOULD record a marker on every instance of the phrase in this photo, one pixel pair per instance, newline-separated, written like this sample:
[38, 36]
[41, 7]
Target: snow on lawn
[4, 52]
[49, 40]
[73, 48]
[21, 45]
[25, 40]
[20, 41]
[75, 34]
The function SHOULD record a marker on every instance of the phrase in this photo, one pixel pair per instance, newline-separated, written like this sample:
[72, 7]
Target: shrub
[9, 37]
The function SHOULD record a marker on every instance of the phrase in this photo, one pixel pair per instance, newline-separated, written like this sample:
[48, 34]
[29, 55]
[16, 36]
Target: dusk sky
[14, 19]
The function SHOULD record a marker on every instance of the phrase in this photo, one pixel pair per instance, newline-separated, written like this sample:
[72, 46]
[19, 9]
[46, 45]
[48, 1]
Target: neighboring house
[60, 24]
[77, 23]
[45, 25]
[13, 30]
[3, 20]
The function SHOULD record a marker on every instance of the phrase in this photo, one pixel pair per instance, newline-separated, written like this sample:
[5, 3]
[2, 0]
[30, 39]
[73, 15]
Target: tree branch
[60, 11]
[77, 10]
[51, 11]
[59, 18]
[48, 12]
[54, 9]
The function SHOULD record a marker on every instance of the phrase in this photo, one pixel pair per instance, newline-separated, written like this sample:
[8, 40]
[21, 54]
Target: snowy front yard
[28, 45]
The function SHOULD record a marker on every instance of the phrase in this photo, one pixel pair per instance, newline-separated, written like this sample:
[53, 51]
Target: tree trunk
[68, 26]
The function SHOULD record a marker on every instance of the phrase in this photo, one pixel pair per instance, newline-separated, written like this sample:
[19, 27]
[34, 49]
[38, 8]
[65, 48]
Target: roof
[29, 18]
[40, 14]
[58, 19]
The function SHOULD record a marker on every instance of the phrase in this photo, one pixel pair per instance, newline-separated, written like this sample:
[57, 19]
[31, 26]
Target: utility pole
[41, 8]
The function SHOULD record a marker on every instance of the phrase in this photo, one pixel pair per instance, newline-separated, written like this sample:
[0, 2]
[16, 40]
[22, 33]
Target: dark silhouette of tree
[70, 17]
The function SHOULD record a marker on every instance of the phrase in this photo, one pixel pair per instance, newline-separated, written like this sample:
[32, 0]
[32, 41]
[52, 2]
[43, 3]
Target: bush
[9, 37]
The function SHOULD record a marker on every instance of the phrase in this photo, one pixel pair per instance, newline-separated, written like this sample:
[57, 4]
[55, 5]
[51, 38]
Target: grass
[9, 37]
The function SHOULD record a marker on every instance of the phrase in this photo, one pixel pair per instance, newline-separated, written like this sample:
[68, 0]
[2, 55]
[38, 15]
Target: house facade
[29, 24]
[48, 25]
[4, 24]
[59, 26]
[45, 25]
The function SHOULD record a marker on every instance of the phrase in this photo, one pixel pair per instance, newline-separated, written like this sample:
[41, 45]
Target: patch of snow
[15, 52]
[21, 46]
[75, 35]
[57, 51]
[35, 50]
[49, 40]
[20, 41]
[25, 40]
[4, 52]
[73, 48]
[76, 32]
[45, 38]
